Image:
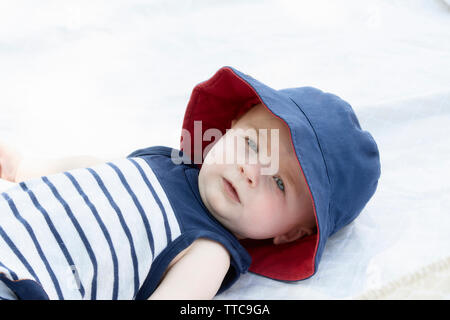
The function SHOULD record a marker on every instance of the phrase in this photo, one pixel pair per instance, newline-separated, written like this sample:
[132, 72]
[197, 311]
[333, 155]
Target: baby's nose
[251, 173]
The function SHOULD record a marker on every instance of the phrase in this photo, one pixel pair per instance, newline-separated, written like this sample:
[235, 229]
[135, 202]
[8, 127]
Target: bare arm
[36, 167]
[15, 168]
[197, 275]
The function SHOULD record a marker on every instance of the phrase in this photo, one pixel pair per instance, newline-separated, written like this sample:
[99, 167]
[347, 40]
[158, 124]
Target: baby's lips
[229, 187]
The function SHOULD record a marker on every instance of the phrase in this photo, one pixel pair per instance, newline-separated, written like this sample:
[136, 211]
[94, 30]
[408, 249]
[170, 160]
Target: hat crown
[350, 154]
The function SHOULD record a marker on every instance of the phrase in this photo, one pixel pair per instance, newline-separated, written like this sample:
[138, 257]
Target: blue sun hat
[339, 161]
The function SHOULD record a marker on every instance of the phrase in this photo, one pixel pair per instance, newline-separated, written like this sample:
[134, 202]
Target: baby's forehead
[278, 132]
[260, 117]
[288, 162]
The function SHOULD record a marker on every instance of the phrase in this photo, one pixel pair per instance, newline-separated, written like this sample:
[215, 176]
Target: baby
[285, 170]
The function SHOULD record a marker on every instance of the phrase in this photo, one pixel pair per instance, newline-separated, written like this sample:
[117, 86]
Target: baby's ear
[292, 235]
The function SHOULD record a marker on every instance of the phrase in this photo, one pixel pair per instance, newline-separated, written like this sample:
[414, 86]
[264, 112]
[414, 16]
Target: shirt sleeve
[155, 150]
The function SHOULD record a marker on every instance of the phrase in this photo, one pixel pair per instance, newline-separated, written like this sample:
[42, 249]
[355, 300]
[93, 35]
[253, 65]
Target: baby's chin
[210, 199]
[216, 203]
[221, 215]
[228, 225]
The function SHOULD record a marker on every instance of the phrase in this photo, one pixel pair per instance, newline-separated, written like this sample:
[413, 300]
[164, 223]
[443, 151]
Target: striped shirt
[95, 233]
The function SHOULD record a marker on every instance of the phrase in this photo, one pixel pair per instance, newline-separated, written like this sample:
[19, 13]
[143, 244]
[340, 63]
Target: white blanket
[109, 77]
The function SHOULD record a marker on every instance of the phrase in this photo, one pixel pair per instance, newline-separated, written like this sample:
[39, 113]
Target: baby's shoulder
[200, 251]
[206, 245]
[197, 273]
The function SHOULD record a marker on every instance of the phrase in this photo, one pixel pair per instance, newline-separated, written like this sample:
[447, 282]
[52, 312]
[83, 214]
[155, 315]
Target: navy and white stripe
[88, 233]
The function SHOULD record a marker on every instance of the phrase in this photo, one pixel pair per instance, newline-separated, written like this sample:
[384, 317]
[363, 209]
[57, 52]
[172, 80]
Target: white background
[106, 77]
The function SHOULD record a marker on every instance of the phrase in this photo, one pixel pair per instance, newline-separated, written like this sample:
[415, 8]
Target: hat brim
[222, 98]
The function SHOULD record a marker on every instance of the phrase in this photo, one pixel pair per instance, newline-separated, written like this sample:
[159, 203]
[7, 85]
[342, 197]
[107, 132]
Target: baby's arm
[36, 167]
[197, 275]
[15, 168]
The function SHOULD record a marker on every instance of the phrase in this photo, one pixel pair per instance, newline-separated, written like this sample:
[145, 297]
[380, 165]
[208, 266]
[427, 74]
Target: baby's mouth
[231, 191]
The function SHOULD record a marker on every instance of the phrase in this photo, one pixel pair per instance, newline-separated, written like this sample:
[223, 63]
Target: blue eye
[279, 183]
[251, 144]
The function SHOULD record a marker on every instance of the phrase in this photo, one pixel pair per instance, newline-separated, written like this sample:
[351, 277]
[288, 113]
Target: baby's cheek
[264, 214]
[216, 154]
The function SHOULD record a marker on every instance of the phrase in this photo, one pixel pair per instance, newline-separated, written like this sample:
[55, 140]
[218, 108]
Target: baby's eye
[251, 144]
[279, 183]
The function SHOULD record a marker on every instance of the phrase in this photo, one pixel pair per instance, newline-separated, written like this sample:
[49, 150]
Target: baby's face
[242, 195]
